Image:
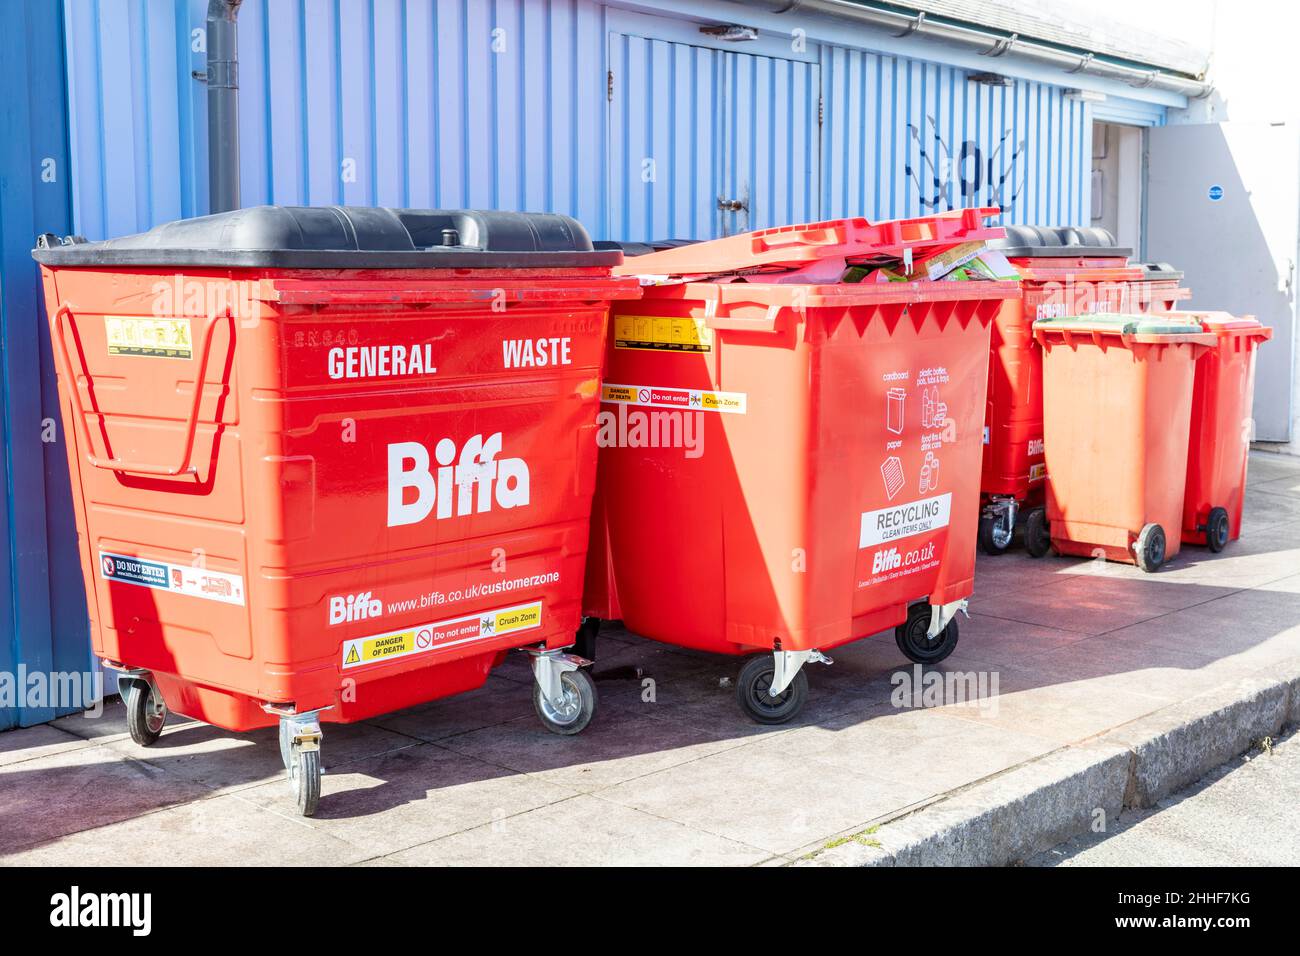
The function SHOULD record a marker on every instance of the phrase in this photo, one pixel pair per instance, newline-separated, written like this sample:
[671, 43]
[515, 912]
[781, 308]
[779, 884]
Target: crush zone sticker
[178, 578]
[423, 638]
[684, 399]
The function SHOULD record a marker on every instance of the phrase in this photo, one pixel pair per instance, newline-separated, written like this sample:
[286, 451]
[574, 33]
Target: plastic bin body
[1117, 407]
[1221, 423]
[1064, 272]
[811, 515]
[348, 529]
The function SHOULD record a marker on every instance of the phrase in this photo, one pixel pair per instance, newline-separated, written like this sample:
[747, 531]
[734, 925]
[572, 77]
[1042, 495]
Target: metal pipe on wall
[223, 105]
[992, 44]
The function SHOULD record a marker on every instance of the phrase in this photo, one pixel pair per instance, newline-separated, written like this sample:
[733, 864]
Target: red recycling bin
[834, 493]
[1221, 428]
[332, 462]
[1065, 271]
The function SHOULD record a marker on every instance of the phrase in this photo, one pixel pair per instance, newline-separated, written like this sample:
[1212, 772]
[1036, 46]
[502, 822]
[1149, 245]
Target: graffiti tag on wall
[948, 179]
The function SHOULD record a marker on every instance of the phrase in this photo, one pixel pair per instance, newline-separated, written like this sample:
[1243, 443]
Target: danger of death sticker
[684, 399]
[424, 638]
[178, 578]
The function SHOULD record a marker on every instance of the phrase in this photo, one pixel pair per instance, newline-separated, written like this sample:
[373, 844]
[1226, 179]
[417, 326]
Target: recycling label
[425, 638]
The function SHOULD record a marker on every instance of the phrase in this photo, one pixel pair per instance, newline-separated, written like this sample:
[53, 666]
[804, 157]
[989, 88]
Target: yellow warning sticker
[686, 399]
[662, 333]
[425, 638]
[148, 336]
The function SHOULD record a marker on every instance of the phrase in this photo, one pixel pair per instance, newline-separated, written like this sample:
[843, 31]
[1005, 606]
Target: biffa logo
[462, 486]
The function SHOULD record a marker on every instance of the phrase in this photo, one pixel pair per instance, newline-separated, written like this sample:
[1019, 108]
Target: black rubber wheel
[1038, 533]
[1217, 530]
[994, 539]
[304, 778]
[916, 645]
[751, 692]
[584, 641]
[1150, 548]
[578, 708]
[145, 714]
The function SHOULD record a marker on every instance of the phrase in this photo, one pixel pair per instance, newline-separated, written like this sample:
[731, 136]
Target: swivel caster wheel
[573, 710]
[914, 641]
[145, 713]
[756, 677]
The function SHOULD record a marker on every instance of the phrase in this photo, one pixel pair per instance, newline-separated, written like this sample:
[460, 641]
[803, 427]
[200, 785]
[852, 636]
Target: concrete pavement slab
[759, 798]
[39, 741]
[622, 745]
[406, 797]
[224, 761]
[51, 797]
[582, 831]
[221, 831]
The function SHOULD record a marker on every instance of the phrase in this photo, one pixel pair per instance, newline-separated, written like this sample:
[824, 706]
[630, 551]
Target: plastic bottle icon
[929, 473]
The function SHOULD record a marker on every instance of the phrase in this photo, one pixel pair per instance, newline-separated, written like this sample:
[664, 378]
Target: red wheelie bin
[1117, 410]
[332, 462]
[1221, 428]
[1065, 271]
[834, 493]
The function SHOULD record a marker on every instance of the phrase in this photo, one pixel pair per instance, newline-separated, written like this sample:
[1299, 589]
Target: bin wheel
[145, 713]
[578, 708]
[751, 691]
[584, 642]
[1150, 548]
[304, 779]
[1038, 533]
[1217, 530]
[994, 535]
[286, 748]
[916, 645]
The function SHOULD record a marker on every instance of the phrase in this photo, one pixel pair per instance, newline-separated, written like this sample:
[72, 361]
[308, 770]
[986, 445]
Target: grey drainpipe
[223, 105]
[991, 44]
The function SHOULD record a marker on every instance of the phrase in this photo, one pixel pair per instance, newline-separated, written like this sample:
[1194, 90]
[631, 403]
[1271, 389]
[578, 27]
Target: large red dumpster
[834, 493]
[1065, 271]
[332, 462]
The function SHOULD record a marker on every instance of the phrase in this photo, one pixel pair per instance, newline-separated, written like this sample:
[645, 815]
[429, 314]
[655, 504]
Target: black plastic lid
[1041, 242]
[1160, 270]
[344, 237]
[644, 248]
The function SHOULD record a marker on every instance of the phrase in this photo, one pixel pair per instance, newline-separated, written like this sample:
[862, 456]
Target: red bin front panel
[387, 484]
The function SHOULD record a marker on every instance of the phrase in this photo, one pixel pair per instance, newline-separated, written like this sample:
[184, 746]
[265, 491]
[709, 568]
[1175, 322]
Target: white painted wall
[1255, 66]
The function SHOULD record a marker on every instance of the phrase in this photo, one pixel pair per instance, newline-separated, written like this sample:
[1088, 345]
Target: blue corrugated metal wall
[43, 624]
[904, 138]
[523, 104]
[503, 103]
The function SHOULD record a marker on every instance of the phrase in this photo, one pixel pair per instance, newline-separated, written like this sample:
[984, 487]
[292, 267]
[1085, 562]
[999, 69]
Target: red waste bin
[380, 483]
[835, 492]
[1065, 271]
[1221, 428]
[1117, 405]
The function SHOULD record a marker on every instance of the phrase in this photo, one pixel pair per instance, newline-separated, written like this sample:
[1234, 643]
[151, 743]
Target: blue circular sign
[1215, 192]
